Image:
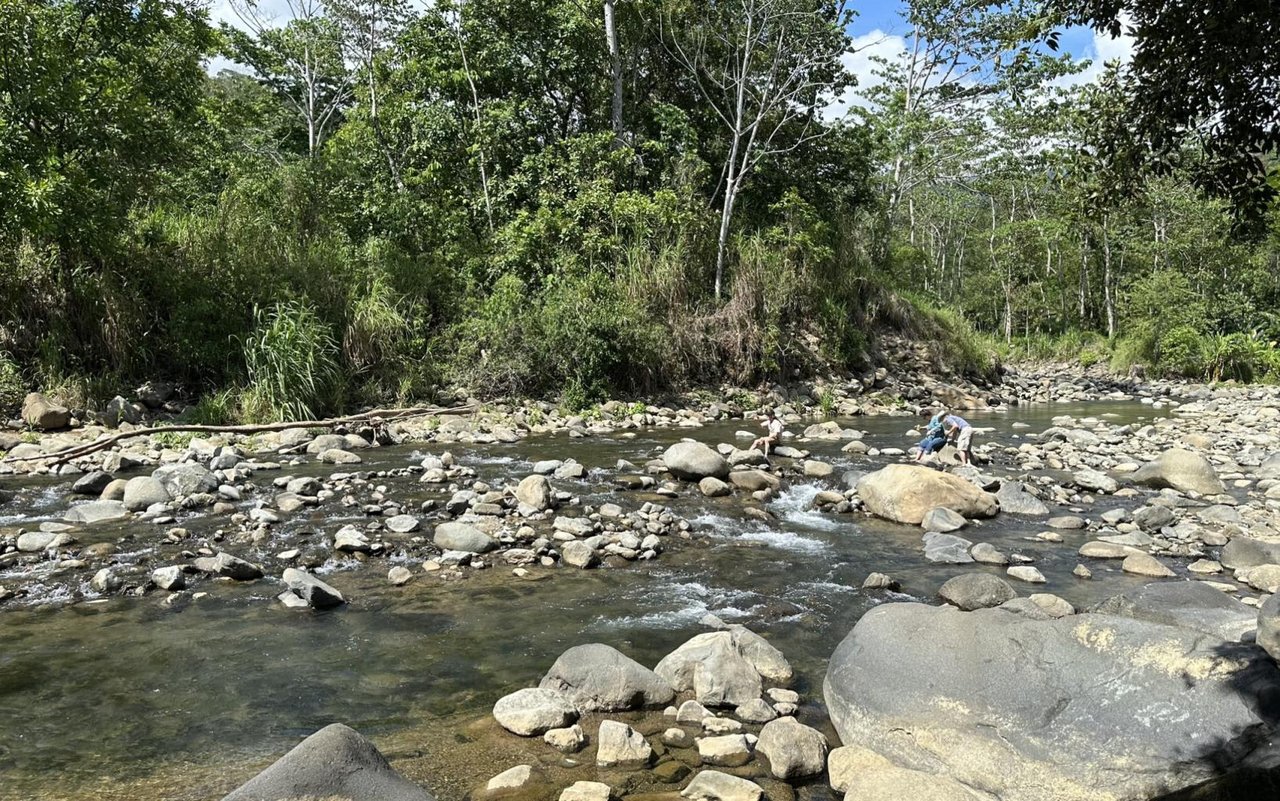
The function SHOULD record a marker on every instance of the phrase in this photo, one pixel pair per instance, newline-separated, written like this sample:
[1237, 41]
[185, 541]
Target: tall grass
[291, 359]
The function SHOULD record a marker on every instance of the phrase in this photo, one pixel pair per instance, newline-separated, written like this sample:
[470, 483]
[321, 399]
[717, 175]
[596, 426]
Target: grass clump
[292, 364]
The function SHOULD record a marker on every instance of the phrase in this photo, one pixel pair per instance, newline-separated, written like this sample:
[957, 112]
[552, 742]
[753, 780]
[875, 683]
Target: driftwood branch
[373, 416]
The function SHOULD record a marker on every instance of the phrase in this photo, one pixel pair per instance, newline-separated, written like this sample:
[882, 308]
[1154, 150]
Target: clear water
[132, 698]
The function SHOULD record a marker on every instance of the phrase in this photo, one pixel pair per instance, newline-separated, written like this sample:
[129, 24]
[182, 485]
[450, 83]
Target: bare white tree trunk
[615, 64]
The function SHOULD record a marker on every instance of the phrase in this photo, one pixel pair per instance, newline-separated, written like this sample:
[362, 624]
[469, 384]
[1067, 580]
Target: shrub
[1181, 351]
[291, 360]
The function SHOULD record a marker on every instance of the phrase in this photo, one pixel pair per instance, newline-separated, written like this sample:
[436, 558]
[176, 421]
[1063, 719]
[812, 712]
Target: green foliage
[827, 402]
[292, 366]
[12, 386]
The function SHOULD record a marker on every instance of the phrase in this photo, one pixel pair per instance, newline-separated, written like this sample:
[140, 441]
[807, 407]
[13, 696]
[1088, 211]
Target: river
[130, 698]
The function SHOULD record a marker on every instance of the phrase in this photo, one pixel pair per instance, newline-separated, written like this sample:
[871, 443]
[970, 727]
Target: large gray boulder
[96, 512]
[725, 668]
[1049, 710]
[1182, 470]
[596, 677]
[694, 461]
[1249, 552]
[905, 493]
[1014, 499]
[535, 492]
[1189, 604]
[186, 479]
[334, 763]
[463, 537]
[43, 414]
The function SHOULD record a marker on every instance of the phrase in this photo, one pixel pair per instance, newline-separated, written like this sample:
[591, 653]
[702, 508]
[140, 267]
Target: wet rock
[691, 712]
[37, 541]
[43, 414]
[402, 524]
[1094, 480]
[511, 779]
[726, 751]
[755, 711]
[816, 469]
[228, 566]
[586, 791]
[1264, 578]
[1142, 564]
[310, 589]
[985, 553]
[905, 493]
[1026, 573]
[1040, 679]
[794, 750]
[1182, 470]
[350, 539]
[1268, 625]
[105, 581]
[1014, 499]
[534, 710]
[1153, 518]
[335, 762]
[92, 483]
[567, 740]
[947, 549]
[169, 578]
[143, 491]
[1052, 605]
[1067, 523]
[712, 785]
[399, 575]
[694, 461]
[880, 581]
[463, 537]
[1105, 550]
[754, 480]
[535, 492]
[970, 591]
[596, 677]
[713, 487]
[1187, 604]
[620, 746]
[185, 480]
[96, 512]
[339, 456]
[943, 520]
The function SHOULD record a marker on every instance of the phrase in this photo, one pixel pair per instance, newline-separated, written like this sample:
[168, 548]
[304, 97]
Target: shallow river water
[128, 698]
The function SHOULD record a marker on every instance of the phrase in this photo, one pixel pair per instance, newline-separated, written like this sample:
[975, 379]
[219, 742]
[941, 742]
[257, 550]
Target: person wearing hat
[773, 432]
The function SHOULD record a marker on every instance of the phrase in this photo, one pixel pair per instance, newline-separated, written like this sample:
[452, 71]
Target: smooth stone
[970, 591]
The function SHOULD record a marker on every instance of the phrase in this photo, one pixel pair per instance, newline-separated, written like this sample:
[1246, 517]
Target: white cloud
[862, 61]
[1101, 50]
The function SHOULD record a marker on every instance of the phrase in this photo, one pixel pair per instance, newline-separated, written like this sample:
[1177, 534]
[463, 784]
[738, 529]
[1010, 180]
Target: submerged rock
[335, 762]
[1189, 708]
[712, 785]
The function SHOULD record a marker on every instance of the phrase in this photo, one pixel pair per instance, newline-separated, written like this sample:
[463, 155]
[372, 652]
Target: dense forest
[567, 198]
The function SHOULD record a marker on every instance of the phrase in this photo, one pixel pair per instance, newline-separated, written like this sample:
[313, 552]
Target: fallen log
[374, 416]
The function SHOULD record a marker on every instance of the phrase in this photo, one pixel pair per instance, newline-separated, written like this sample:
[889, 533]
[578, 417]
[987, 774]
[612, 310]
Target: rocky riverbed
[510, 543]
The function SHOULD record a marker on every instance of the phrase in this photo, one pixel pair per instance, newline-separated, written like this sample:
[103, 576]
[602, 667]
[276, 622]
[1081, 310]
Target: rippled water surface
[132, 698]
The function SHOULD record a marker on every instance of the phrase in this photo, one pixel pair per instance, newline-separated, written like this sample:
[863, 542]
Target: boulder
[43, 414]
[1094, 480]
[578, 554]
[1082, 703]
[694, 461]
[1014, 499]
[905, 493]
[596, 677]
[185, 479]
[535, 492]
[310, 589]
[169, 578]
[726, 750]
[620, 746]
[402, 524]
[1182, 470]
[1188, 604]
[1268, 623]
[754, 480]
[143, 491]
[511, 779]
[970, 591]
[463, 537]
[943, 520]
[37, 541]
[586, 791]
[724, 668]
[947, 549]
[1144, 564]
[864, 775]
[335, 762]
[712, 785]
[534, 710]
[228, 566]
[793, 749]
[713, 487]
[92, 483]
[1243, 552]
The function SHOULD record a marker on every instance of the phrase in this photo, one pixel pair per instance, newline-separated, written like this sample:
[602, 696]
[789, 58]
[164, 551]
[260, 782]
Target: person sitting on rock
[959, 430]
[934, 436]
[773, 428]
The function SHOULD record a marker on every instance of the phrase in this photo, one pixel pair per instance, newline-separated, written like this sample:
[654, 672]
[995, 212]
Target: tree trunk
[615, 63]
[1107, 293]
[722, 245]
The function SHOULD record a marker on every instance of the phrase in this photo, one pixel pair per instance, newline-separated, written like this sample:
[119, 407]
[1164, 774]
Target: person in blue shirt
[959, 430]
[934, 436]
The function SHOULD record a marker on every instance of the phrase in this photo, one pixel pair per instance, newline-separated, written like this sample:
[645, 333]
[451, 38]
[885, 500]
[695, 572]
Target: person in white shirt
[773, 428]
